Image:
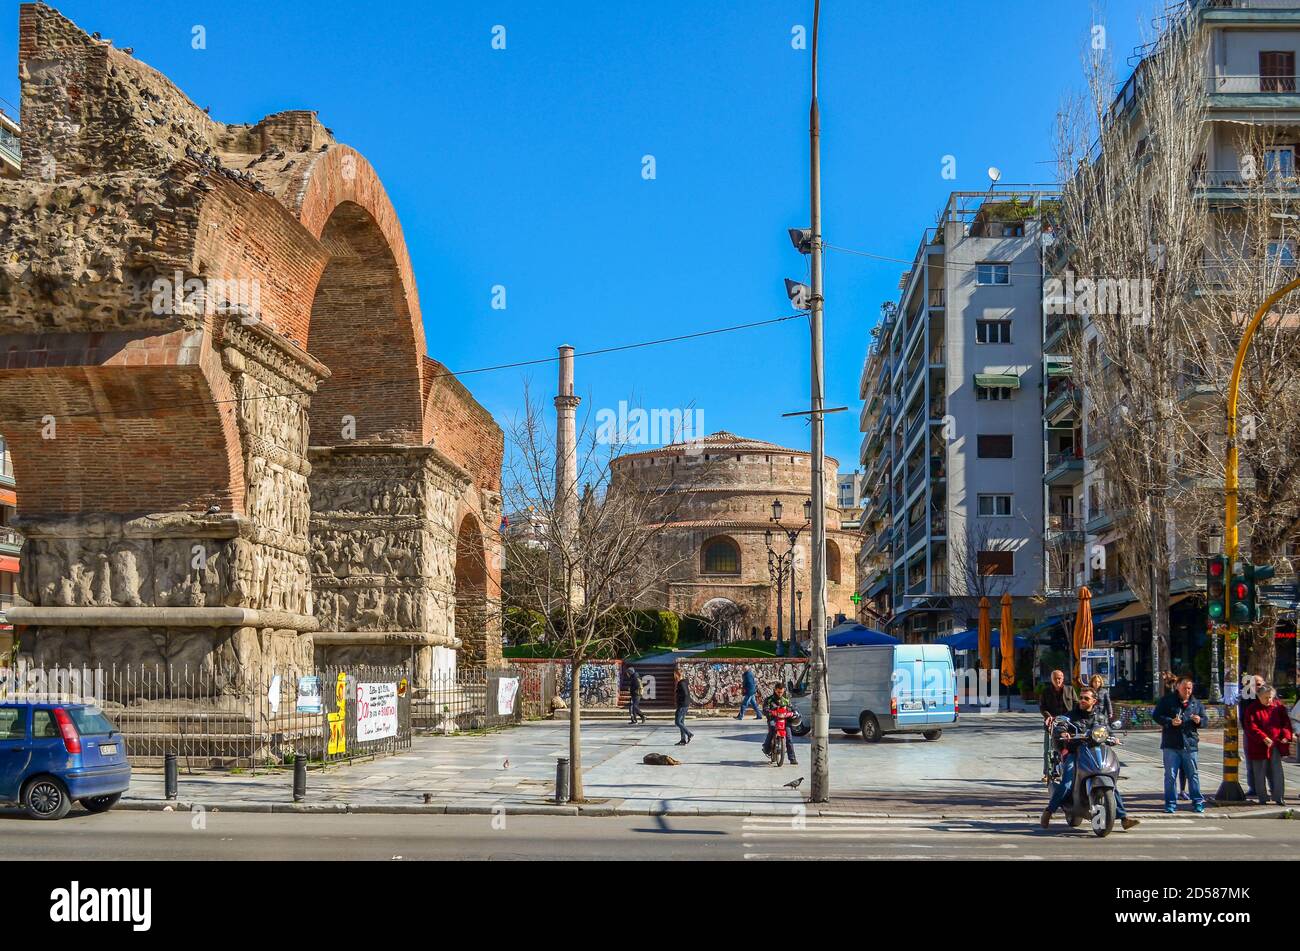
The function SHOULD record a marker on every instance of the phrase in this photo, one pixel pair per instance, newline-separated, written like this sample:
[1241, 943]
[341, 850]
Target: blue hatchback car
[54, 754]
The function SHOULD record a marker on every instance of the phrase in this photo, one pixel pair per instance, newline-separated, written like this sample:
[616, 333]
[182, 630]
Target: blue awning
[970, 640]
[852, 634]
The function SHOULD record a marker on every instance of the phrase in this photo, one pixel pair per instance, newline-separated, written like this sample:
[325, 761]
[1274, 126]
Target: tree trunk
[1261, 649]
[575, 730]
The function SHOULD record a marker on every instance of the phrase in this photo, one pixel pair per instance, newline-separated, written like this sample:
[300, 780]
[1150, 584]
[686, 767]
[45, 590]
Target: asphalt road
[251, 836]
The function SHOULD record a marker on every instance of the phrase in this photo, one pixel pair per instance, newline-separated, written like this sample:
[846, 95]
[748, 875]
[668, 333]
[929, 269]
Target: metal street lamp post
[778, 563]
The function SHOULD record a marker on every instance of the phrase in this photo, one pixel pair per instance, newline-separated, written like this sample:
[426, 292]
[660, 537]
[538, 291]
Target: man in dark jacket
[778, 700]
[1180, 716]
[749, 694]
[635, 690]
[1086, 715]
[1057, 698]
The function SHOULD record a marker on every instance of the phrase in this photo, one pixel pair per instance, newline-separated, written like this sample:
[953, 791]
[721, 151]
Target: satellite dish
[995, 173]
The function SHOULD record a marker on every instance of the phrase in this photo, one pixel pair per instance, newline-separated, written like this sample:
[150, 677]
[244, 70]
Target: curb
[601, 810]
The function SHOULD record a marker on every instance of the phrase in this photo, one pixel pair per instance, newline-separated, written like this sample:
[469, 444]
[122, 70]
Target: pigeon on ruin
[128, 50]
[505, 764]
[213, 510]
[794, 784]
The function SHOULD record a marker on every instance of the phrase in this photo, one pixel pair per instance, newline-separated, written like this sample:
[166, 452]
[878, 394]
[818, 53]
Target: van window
[13, 725]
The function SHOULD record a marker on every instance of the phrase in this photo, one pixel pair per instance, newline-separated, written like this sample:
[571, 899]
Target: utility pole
[821, 775]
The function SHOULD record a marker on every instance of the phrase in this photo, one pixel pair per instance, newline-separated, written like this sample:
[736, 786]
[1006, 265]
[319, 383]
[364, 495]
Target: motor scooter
[1096, 775]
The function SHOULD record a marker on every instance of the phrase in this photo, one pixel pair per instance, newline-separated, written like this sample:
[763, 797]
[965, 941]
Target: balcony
[1230, 183]
[1236, 94]
[915, 479]
[1060, 327]
[1063, 528]
[10, 540]
[1107, 583]
[1064, 467]
[938, 525]
[916, 534]
[1194, 389]
[1062, 398]
[1099, 521]
[936, 298]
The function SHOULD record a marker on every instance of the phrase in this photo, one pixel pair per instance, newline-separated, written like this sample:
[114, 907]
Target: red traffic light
[1216, 567]
[1239, 591]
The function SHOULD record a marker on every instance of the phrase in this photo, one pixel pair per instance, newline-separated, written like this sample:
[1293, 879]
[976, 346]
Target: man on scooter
[777, 701]
[1083, 718]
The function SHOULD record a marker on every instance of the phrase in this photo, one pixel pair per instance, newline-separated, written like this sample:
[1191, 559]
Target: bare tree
[976, 579]
[611, 554]
[1135, 231]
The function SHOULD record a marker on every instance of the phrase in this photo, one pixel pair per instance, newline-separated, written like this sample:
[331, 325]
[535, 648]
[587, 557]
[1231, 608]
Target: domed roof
[721, 441]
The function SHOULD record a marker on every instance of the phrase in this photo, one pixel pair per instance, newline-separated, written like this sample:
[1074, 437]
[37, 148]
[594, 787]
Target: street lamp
[778, 563]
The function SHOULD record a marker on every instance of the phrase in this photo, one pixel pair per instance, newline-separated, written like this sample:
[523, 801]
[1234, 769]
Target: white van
[890, 688]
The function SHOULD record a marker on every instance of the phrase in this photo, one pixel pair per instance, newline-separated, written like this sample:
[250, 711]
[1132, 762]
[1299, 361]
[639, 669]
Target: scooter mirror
[1116, 724]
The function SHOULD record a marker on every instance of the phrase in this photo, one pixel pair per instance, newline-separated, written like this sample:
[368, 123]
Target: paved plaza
[986, 766]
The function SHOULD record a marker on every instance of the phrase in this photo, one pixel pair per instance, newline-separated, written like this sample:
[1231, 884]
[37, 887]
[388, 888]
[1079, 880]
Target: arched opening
[720, 556]
[832, 562]
[361, 329]
[726, 618]
[471, 592]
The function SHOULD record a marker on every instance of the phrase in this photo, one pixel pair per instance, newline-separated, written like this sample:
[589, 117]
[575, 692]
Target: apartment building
[952, 451]
[1252, 129]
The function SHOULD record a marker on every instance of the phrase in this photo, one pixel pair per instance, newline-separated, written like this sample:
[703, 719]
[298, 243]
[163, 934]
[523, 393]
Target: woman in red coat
[1268, 739]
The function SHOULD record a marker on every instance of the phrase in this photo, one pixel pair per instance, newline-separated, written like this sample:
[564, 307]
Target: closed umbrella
[1007, 630]
[1082, 629]
[986, 649]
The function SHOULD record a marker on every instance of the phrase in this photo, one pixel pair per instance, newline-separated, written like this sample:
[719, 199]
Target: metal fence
[329, 713]
[470, 699]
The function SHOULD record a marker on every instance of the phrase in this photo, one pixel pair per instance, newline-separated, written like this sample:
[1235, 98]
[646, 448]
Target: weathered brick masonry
[177, 297]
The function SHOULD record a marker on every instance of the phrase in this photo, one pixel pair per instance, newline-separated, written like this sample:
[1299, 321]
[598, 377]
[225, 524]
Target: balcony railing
[1235, 180]
[1107, 584]
[915, 534]
[1236, 85]
[938, 524]
[10, 538]
[1064, 523]
[915, 479]
[10, 145]
[936, 297]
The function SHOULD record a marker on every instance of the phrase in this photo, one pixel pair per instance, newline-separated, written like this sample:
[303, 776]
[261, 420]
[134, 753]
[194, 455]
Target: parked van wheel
[44, 797]
[850, 732]
[870, 727]
[101, 803]
[932, 734]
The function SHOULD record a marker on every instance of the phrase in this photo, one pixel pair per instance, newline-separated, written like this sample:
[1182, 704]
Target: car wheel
[932, 734]
[46, 798]
[850, 732]
[101, 803]
[870, 727]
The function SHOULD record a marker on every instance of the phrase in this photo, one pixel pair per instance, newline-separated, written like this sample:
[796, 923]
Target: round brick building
[717, 534]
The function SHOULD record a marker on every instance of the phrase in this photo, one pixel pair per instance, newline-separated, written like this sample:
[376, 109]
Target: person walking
[635, 691]
[749, 694]
[1180, 716]
[1058, 699]
[683, 703]
[1105, 706]
[1268, 739]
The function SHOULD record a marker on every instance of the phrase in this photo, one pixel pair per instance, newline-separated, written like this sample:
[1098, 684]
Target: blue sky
[522, 167]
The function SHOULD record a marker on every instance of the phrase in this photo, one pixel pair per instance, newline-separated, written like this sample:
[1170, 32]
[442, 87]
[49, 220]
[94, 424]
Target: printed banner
[310, 699]
[376, 711]
[507, 689]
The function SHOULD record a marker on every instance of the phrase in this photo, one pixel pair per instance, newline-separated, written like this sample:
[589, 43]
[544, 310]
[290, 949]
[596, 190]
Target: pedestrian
[1169, 680]
[1268, 739]
[1250, 685]
[1180, 716]
[635, 690]
[1058, 698]
[749, 694]
[1105, 706]
[683, 701]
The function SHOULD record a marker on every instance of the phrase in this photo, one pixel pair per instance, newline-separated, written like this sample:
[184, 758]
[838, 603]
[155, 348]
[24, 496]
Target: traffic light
[1239, 606]
[1215, 595]
[1254, 575]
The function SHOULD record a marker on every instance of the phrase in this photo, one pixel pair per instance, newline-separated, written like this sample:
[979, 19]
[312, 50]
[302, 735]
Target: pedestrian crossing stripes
[908, 839]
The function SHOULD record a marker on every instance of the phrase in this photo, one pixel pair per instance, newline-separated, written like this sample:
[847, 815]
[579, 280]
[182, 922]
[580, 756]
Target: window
[1277, 71]
[996, 562]
[832, 562]
[1279, 162]
[992, 273]
[13, 723]
[992, 331]
[1281, 253]
[721, 557]
[993, 393]
[43, 725]
[992, 505]
[993, 447]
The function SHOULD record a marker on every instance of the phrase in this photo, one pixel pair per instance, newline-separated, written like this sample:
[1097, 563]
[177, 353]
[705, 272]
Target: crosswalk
[1007, 838]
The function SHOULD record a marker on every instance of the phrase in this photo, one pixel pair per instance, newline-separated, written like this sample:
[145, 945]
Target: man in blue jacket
[1180, 716]
[749, 695]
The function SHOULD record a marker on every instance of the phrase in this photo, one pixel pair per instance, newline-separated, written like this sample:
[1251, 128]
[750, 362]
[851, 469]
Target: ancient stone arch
[177, 296]
[472, 586]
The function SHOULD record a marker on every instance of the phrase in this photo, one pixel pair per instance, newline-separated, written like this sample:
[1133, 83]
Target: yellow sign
[338, 743]
[401, 687]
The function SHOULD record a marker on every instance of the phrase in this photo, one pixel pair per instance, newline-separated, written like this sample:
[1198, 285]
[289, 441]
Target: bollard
[562, 780]
[299, 778]
[169, 775]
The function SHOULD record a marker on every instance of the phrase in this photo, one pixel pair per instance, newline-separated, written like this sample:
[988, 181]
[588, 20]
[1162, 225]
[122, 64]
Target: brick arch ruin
[231, 448]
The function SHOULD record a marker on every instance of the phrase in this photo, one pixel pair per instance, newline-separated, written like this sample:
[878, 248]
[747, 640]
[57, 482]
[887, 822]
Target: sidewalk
[987, 767]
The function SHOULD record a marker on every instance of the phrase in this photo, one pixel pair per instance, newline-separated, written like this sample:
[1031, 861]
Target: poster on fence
[507, 690]
[376, 711]
[309, 695]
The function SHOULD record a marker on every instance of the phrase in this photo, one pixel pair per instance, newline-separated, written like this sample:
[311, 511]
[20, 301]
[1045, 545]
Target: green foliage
[669, 626]
[523, 626]
[695, 629]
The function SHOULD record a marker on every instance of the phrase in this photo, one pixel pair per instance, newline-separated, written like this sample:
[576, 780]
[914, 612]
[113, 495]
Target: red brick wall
[455, 423]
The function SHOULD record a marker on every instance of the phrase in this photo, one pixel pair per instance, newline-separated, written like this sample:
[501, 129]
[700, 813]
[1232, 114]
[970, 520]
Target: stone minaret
[566, 456]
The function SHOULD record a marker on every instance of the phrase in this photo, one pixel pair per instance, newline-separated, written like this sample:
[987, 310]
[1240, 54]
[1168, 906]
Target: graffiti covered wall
[597, 683]
[717, 683]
